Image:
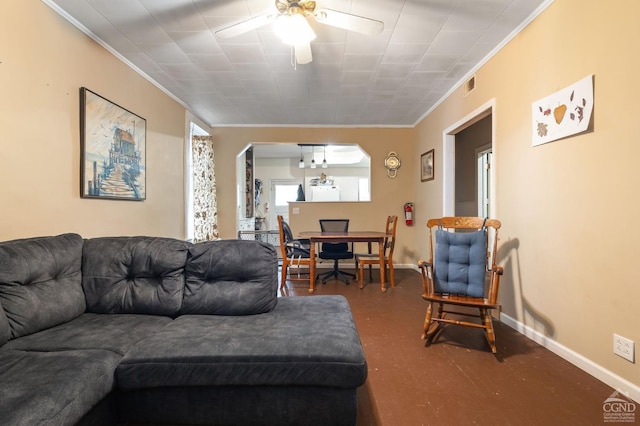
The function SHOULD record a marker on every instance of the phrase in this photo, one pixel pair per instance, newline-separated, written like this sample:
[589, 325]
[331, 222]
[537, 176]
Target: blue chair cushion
[460, 262]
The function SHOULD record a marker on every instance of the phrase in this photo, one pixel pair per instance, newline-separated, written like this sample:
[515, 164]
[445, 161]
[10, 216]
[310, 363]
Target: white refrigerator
[325, 193]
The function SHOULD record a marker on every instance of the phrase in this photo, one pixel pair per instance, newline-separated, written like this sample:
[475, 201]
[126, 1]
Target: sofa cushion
[304, 341]
[113, 332]
[231, 277]
[53, 388]
[41, 282]
[134, 275]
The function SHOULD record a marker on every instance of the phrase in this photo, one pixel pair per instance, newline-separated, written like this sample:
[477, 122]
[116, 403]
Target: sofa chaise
[148, 330]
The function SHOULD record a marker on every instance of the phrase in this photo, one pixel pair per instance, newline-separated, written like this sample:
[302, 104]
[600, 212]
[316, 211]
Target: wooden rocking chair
[456, 273]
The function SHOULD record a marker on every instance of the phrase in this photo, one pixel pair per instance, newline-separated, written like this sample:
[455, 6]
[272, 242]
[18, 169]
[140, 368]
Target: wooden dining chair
[370, 259]
[295, 252]
[461, 272]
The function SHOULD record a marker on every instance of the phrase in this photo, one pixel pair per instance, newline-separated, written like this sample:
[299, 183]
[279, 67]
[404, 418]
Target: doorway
[200, 187]
[483, 167]
[463, 143]
[471, 152]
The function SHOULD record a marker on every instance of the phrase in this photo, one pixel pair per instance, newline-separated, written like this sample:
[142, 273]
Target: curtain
[205, 209]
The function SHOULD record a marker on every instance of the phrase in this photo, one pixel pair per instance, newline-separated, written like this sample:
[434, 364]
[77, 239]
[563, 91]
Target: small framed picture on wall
[426, 166]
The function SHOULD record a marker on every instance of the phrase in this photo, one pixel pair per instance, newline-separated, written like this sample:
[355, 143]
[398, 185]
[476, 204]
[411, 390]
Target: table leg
[370, 265]
[312, 267]
[382, 274]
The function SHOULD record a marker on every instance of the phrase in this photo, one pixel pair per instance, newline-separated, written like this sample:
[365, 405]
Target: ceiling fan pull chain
[294, 62]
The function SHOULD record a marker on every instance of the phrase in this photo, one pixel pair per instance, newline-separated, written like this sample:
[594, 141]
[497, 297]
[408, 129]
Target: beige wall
[387, 195]
[44, 61]
[569, 241]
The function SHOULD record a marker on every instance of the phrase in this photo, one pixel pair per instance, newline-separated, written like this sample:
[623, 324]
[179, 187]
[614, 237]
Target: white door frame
[483, 175]
[448, 155]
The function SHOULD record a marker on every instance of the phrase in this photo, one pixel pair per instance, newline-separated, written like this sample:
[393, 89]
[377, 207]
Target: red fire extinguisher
[408, 213]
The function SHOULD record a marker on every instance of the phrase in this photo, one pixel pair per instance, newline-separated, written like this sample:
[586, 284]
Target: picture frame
[564, 113]
[112, 150]
[427, 166]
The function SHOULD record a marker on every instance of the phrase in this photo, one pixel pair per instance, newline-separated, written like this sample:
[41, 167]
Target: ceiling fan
[291, 25]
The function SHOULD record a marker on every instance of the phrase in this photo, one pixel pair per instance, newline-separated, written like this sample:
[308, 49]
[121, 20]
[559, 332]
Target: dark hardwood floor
[456, 380]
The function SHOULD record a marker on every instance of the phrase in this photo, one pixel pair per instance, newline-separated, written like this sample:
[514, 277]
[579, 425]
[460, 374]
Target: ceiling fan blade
[303, 53]
[245, 26]
[349, 22]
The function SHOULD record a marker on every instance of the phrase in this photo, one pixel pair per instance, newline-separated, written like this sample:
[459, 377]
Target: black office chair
[335, 251]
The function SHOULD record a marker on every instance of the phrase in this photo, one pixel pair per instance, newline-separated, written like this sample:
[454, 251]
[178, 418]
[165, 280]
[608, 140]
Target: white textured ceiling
[428, 47]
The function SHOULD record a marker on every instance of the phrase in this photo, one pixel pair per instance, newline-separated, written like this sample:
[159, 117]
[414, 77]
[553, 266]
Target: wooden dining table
[343, 237]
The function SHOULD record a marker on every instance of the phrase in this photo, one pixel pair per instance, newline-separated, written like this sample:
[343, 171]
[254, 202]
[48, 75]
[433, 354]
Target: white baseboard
[621, 384]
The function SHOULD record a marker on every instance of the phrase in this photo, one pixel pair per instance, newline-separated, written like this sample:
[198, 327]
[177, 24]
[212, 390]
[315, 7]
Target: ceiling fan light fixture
[293, 29]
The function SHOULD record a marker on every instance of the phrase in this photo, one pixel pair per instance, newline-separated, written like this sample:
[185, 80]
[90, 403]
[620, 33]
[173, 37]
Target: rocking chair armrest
[426, 268]
[494, 285]
[425, 264]
[497, 269]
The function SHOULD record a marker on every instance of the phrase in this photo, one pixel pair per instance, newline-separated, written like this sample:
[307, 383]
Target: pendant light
[324, 161]
[313, 155]
[301, 162]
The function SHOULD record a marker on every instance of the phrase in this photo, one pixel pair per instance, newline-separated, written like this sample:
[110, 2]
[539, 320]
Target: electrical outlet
[624, 347]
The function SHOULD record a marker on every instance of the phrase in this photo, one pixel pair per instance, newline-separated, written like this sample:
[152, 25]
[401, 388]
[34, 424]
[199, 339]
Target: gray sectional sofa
[145, 330]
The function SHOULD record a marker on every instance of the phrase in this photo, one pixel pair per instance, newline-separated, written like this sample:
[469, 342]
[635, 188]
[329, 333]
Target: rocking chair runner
[456, 273]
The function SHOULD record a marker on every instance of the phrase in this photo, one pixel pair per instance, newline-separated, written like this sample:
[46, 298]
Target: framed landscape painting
[112, 152]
